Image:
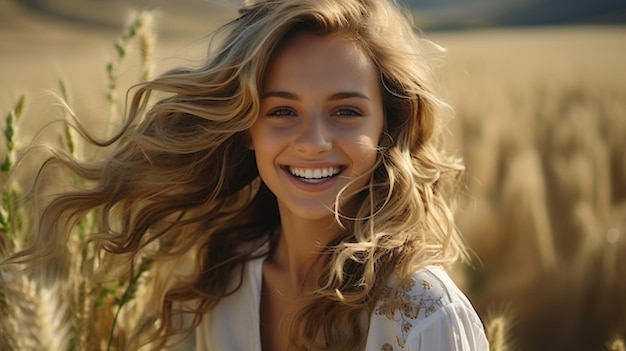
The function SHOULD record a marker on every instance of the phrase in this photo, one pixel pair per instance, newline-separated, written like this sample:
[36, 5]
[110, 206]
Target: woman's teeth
[314, 175]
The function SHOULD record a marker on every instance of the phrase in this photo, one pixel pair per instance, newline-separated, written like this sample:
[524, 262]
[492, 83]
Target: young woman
[299, 169]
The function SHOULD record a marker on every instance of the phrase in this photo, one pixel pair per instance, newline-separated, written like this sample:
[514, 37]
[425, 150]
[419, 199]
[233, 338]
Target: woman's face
[320, 121]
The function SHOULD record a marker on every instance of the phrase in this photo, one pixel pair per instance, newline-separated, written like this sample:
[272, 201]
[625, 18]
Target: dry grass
[497, 333]
[57, 311]
[617, 345]
[541, 122]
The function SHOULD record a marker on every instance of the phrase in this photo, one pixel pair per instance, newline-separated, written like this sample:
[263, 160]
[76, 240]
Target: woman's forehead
[320, 58]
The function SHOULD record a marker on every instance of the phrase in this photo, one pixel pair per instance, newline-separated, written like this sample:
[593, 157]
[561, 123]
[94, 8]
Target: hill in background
[458, 14]
[430, 14]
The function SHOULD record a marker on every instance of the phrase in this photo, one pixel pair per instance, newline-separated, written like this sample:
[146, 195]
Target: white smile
[314, 175]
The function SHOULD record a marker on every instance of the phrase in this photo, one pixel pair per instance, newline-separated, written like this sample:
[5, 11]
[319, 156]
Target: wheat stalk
[497, 330]
[68, 140]
[617, 344]
[10, 216]
[35, 315]
[147, 41]
[140, 24]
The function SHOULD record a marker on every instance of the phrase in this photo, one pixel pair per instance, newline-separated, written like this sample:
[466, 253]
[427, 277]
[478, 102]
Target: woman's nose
[313, 136]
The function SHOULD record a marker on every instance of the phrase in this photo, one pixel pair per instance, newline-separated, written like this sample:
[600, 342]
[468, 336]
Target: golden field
[540, 118]
[541, 122]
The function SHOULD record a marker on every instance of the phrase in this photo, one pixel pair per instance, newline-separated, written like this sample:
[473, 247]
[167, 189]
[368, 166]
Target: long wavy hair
[182, 181]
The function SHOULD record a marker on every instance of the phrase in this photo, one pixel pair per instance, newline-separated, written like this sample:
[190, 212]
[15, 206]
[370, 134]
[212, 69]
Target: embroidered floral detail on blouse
[409, 303]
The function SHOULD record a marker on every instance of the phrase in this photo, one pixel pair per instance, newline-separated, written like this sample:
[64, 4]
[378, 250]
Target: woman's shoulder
[416, 297]
[425, 309]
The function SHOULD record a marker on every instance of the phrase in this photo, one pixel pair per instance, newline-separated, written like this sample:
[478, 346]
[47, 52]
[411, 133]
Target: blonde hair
[181, 178]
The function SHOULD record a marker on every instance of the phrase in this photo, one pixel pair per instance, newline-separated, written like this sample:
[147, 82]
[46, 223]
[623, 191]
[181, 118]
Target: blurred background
[539, 93]
[466, 14]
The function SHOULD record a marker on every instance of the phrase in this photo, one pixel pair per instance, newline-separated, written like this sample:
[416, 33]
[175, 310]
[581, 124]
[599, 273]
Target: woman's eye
[347, 112]
[281, 112]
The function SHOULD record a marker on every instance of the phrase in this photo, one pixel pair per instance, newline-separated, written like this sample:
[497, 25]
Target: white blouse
[430, 313]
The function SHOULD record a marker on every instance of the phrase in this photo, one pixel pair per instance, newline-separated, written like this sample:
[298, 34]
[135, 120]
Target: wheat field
[541, 123]
[540, 119]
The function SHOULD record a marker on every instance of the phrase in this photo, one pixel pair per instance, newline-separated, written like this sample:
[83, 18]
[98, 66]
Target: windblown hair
[181, 179]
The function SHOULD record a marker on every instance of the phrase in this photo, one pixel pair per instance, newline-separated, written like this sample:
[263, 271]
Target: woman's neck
[299, 244]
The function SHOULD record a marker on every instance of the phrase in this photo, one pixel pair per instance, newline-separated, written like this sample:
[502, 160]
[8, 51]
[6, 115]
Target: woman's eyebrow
[349, 95]
[280, 94]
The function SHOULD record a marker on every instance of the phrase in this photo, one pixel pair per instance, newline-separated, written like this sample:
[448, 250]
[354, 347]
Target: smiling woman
[316, 137]
[321, 111]
[298, 168]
